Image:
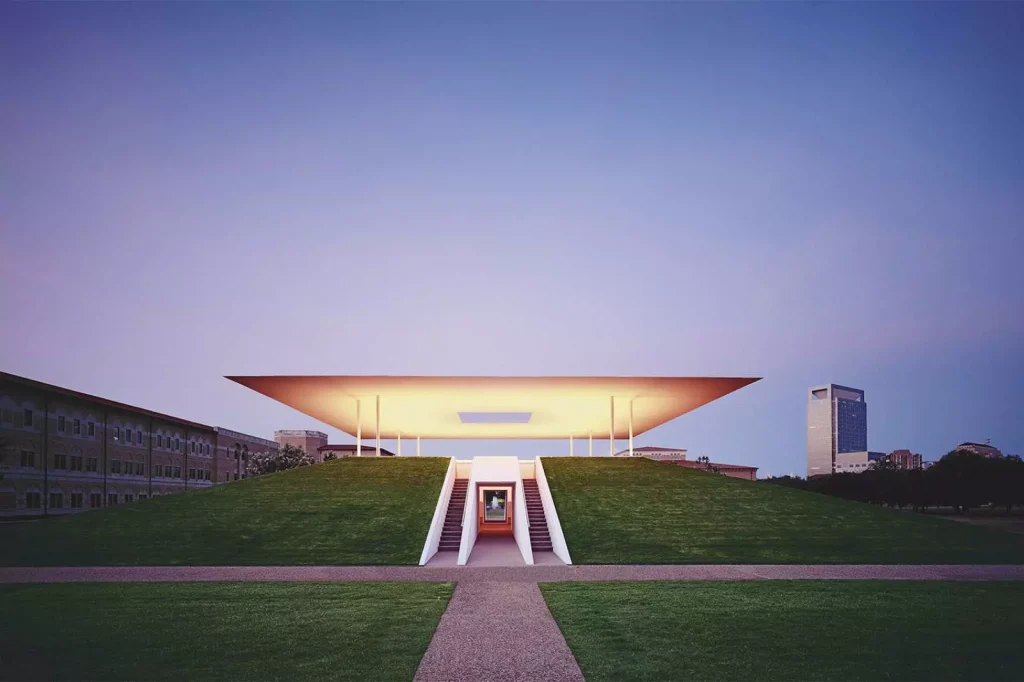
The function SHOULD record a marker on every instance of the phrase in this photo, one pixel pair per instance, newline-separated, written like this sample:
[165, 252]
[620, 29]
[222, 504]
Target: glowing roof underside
[493, 407]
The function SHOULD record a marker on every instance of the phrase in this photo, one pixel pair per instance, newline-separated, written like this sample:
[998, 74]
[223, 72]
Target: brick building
[310, 441]
[62, 451]
[904, 459]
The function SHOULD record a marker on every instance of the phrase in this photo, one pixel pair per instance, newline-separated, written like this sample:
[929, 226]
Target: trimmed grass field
[356, 510]
[792, 630]
[636, 511]
[217, 631]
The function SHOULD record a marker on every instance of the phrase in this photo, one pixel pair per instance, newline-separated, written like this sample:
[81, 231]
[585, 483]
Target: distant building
[837, 423]
[983, 449]
[856, 462]
[743, 471]
[310, 441]
[63, 451]
[350, 451]
[905, 459]
[655, 453]
[678, 456]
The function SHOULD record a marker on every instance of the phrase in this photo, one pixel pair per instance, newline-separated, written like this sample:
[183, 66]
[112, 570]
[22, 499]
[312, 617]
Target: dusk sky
[809, 193]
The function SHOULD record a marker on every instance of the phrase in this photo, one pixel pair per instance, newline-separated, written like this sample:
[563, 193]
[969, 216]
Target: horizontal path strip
[526, 574]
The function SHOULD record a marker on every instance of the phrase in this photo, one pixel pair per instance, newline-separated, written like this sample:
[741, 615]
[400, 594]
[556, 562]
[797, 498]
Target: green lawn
[622, 511]
[344, 512]
[792, 630]
[217, 631]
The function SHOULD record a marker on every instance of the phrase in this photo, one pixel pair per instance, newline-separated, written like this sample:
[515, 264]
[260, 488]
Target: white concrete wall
[521, 525]
[526, 468]
[464, 468]
[558, 544]
[440, 511]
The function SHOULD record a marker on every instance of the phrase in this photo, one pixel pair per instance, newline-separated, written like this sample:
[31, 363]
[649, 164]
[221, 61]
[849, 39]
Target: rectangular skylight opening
[495, 417]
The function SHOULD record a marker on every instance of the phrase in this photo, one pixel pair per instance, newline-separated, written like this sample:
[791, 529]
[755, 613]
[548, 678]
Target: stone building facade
[310, 441]
[63, 452]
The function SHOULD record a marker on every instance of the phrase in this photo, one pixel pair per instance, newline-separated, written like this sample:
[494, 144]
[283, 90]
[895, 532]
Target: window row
[127, 436]
[168, 471]
[72, 463]
[34, 500]
[76, 425]
[199, 474]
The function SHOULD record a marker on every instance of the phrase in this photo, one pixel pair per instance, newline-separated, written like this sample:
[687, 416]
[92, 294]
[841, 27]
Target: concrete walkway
[497, 631]
[505, 574]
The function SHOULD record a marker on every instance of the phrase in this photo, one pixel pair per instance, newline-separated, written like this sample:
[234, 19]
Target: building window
[111, 499]
[76, 500]
[207, 474]
[56, 500]
[142, 496]
[28, 459]
[193, 447]
[60, 424]
[177, 472]
[236, 475]
[33, 501]
[28, 422]
[91, 429]
[207, 448]
[76, 463]
[159, 440]
[177, 444]
[128, 436]
[192, 474]
[115, 466]
[90, 464]
[95, 500]
[138, 437]
[60, 461]
[128, 497]
[140, 469]
[78, 427]
[158, 470]
[117, 433]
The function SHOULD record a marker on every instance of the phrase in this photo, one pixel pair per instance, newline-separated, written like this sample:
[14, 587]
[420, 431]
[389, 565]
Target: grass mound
[352, 511]
[637, 511]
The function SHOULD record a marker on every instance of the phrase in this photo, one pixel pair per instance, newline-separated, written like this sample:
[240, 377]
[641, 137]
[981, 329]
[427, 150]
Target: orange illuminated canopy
[493, 407]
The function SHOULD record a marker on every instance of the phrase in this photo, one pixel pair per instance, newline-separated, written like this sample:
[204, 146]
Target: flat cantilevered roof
[493, 407]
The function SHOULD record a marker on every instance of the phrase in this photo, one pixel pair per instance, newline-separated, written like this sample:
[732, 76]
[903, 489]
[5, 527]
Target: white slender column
[570, 446]
[377, 430]
[611, 432]
[631, 428]
[590, 450]
[417, 446]
[359, 428]
[399, 438]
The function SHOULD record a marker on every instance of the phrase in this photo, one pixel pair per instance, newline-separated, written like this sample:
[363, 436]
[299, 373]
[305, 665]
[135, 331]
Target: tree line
[962, 480]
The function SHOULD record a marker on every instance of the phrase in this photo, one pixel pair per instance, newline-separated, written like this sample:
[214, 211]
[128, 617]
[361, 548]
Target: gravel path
[497, 631]
[505, 574]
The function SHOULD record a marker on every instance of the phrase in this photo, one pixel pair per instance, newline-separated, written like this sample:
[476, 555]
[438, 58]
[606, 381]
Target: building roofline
[78, 395]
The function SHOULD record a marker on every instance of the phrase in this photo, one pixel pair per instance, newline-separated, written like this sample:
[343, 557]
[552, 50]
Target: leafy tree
[288, 457]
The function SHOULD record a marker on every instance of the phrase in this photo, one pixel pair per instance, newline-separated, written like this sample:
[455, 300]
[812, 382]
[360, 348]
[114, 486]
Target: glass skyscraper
[837, 421]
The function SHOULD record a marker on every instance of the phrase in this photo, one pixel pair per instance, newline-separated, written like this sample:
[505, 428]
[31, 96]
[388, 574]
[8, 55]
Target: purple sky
[808, 193]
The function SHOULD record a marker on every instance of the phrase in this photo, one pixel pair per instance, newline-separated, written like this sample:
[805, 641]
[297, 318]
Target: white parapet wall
[521, 525]
[440, 511]
[558, 544]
